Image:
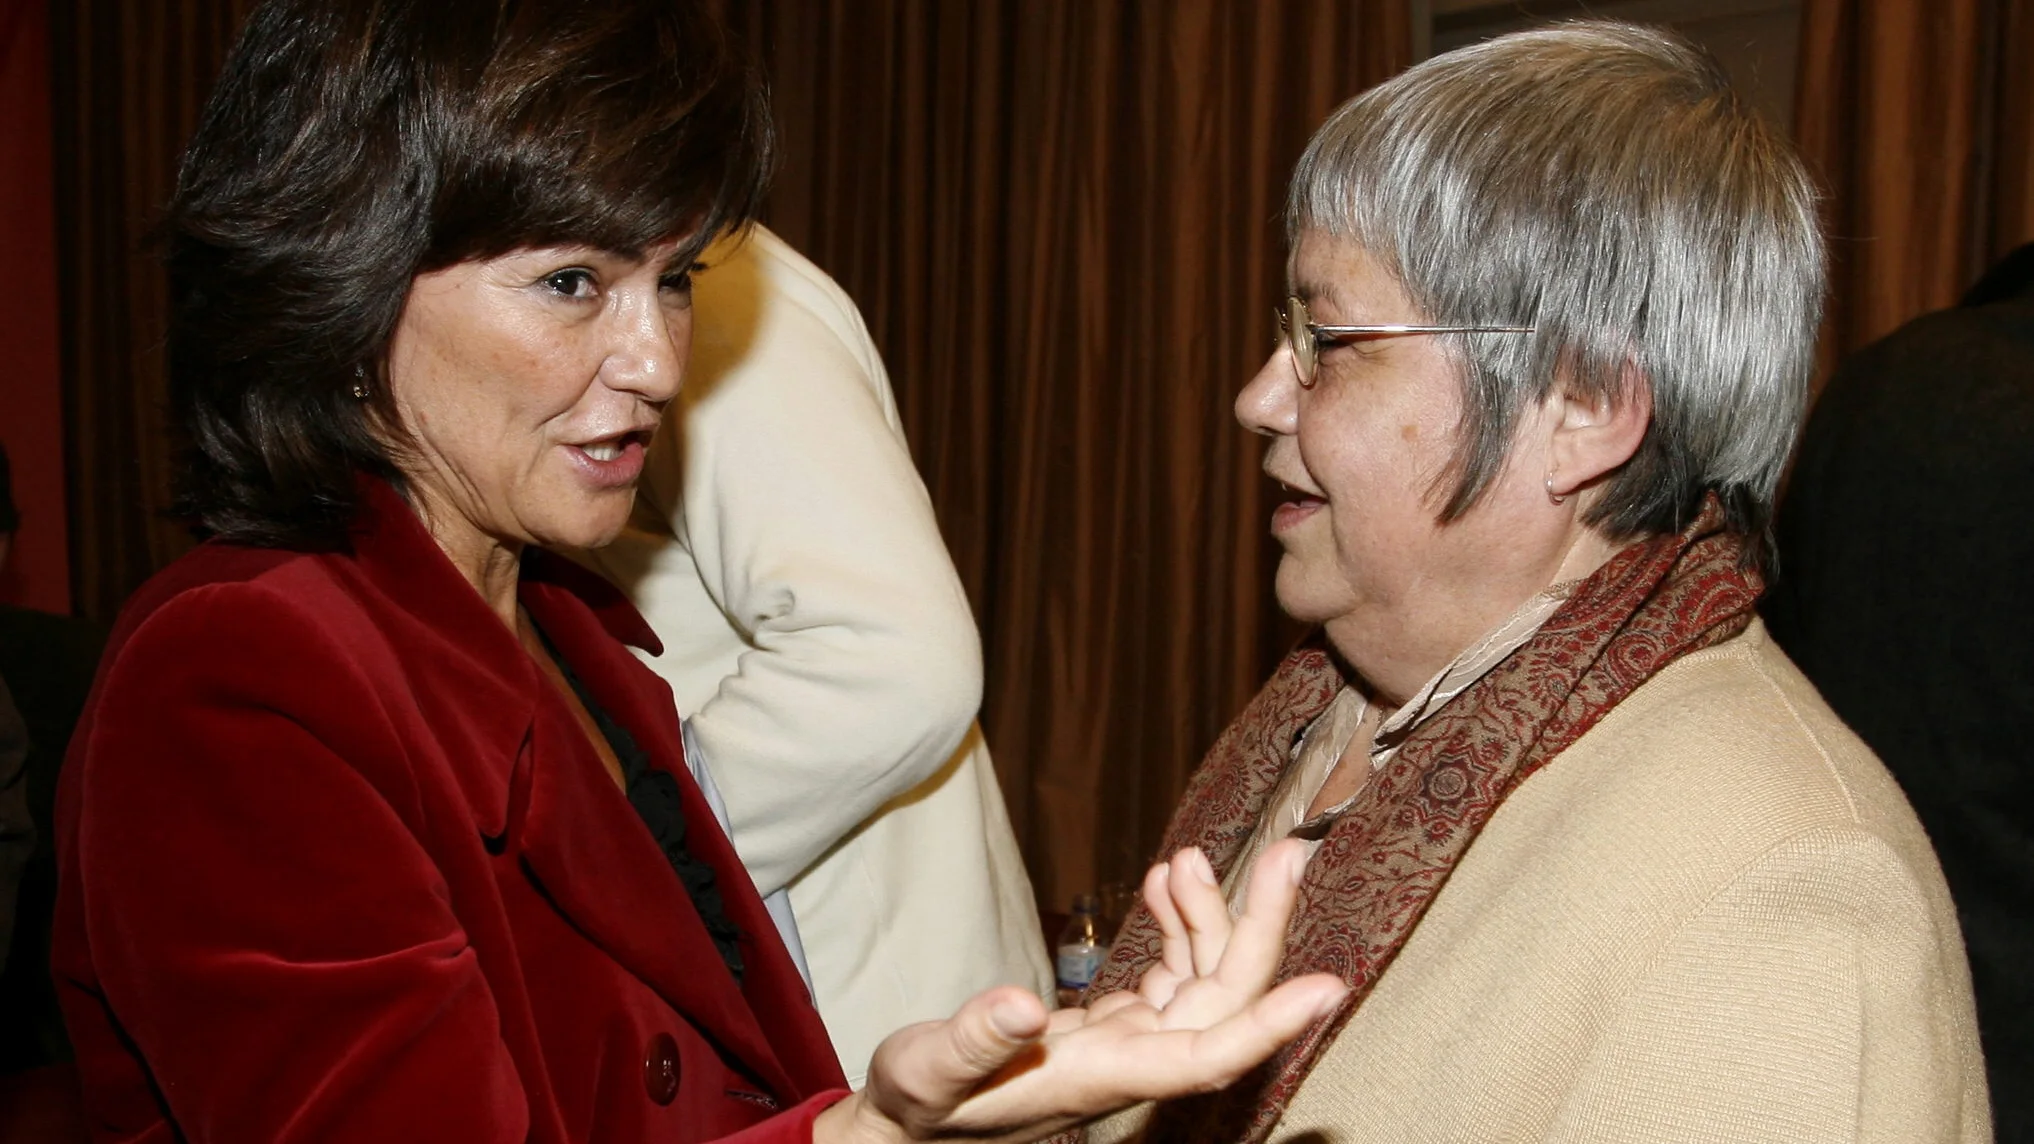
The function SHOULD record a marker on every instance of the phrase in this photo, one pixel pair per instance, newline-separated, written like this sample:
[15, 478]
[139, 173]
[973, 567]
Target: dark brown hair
[353, 144]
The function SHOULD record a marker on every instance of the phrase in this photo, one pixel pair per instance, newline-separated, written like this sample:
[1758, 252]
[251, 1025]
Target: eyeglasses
[1304, 338]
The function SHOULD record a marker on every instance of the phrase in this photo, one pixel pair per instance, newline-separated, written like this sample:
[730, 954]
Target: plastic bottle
[1079, 951]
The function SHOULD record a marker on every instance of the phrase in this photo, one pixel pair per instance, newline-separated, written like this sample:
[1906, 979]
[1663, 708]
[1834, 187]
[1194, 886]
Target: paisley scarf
[1382, 863]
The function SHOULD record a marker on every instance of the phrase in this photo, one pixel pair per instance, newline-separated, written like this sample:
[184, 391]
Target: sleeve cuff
[791, 1126]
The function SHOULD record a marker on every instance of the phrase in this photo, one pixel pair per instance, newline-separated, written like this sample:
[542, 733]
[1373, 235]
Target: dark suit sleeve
[261, 918]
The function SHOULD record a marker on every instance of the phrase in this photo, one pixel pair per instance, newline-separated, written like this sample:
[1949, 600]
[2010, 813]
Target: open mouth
[612, 462]
[612, 448]
[1298, 505]
[1299, 495]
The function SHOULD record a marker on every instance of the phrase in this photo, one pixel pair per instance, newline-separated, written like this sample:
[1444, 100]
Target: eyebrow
[676, 264]
[1311, 292]
[679, 262]
[640, 255]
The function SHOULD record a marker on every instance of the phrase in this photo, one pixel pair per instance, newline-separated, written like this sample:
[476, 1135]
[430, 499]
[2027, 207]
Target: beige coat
[818, 642]
[1713, 918]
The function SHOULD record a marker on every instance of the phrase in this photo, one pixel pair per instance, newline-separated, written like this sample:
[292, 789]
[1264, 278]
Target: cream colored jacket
[1713, 918]
[818, 641]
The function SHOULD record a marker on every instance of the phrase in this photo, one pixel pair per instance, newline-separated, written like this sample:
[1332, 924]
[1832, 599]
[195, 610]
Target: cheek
[516, 369]
[1369, 461]
[1381, 486]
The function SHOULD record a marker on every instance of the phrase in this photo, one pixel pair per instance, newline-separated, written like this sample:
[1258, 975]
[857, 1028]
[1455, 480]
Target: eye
[572, 282]
[1328, 347]
[1352, 345]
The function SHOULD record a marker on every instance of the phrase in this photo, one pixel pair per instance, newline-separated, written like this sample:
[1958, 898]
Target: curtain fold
[1919, 117]
[1061, 218]
[127, 83]
[36, 573]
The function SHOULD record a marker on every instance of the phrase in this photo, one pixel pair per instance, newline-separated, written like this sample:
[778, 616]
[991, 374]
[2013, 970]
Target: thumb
[922, 1073]
[993, 1026]
[989, 1032]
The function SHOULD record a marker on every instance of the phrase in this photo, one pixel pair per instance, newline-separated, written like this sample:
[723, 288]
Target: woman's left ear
[1595, 435]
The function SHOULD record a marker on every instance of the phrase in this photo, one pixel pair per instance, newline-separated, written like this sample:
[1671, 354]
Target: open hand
[1003, 1067]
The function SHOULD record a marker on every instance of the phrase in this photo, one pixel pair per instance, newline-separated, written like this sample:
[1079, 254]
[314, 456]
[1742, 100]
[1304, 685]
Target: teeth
[603, 450]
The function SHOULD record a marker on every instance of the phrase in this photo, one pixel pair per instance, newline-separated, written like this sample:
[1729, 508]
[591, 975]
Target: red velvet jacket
[337, 863]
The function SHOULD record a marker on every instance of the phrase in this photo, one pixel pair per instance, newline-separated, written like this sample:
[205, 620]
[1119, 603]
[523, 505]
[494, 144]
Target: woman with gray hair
[1594, 858]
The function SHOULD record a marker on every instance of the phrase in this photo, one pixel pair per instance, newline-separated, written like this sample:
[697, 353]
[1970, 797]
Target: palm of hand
[1198, 1020]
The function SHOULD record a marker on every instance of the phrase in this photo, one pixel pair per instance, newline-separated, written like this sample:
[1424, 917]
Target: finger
[1067, 1020]
[920, 1074]
[1127, 1018]
[1158, 986]
[1175, 950]
[1256, 943]
[1100, 1008]
[992, 1027]
[1126, 1011]
[1285, 1012]
[1228, 1049]
[1188, 1060]
[1191, 885]
[1098, 1069]
[1258, 937]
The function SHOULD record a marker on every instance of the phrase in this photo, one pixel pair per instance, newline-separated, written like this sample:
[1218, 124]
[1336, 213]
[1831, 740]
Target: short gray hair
[1602, 182]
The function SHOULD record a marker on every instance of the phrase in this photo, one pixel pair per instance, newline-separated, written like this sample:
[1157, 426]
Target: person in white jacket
[818, 641]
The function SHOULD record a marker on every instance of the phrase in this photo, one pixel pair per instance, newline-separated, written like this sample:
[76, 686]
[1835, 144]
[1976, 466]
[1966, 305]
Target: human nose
[1269, 402]
[650, 345]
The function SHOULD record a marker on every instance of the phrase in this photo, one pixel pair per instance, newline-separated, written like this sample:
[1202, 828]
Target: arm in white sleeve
[776, 903]
[788, 490]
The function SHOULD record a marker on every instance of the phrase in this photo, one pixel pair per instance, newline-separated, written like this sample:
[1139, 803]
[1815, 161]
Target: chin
[595, 527]
[588, 541]
[1302, 601]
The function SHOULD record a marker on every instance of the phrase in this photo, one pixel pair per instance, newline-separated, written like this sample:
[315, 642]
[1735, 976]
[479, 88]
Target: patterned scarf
[1390, 853]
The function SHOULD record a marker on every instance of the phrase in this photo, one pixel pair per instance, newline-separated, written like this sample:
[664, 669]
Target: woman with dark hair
[375, 830]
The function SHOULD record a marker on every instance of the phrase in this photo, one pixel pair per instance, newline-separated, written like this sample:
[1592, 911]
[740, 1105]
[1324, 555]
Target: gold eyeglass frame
[1305, 346]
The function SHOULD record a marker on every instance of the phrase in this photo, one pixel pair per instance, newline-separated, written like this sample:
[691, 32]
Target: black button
[660, 1068]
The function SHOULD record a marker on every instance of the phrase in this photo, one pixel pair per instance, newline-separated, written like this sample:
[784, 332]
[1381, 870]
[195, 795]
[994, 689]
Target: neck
[1392, 667]
[1587, 552]
[492, 565]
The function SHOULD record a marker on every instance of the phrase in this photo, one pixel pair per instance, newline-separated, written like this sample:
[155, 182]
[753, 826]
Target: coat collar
[400, 556]
[456, 637]
[535, 785]
[481, 711]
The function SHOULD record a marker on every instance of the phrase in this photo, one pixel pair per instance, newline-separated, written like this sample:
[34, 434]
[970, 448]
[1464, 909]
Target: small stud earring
[360, 383]
[1557, 498]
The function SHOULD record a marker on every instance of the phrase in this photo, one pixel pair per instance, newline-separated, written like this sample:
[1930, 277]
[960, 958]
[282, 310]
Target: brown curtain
[1919, 115]
[1061, 218]
[127, 82]
[36, 570]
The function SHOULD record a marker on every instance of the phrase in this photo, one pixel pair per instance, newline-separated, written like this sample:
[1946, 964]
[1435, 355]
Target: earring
[360, 383]
[1557, 498]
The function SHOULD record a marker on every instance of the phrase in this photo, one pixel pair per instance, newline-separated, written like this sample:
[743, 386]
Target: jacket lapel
[473, 686]
[589, 849]
[528, 774]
